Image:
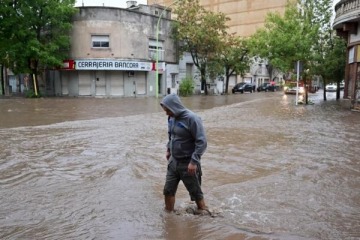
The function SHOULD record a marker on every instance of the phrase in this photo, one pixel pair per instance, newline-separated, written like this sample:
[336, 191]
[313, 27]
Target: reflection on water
[94, 169]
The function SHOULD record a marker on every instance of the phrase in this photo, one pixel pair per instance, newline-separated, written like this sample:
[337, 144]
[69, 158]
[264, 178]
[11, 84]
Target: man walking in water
[187, 143]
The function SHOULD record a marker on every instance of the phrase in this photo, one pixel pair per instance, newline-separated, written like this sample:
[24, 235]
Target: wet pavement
[86, 168]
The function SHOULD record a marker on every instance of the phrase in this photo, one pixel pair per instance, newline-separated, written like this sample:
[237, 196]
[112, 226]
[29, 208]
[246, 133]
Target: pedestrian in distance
[187, 143]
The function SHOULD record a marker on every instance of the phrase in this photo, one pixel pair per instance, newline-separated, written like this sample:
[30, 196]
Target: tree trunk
[6, 85]
[337, 90]
[2, 81]
[324, 93]
[36, 85]
[227, 80]
[34, 81]
[307, 92]
[203, 80]
[227, 84]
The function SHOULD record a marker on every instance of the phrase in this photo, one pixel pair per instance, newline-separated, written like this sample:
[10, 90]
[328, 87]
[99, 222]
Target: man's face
[168, 112]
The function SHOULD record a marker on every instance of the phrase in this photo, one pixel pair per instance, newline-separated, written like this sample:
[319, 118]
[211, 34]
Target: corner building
[113, 52]
[347, 25]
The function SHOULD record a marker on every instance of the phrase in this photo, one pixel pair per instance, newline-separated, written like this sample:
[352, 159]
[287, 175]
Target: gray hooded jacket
[187, 137]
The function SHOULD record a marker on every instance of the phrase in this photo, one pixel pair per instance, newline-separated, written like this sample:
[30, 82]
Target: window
[173, 80]
[100, 41]
[189, 70]
[351, 54]
[153, 46]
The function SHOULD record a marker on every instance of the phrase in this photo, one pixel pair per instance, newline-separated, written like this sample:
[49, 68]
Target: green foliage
[304, 33]
[284, 39]
[186, 87]
[31, 94]
[34, 33]
[203, 34]
[199, 32]
[234, 57]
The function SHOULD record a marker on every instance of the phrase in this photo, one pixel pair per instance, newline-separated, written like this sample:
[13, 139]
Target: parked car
[292, 90]
[243, 87]
[331, 87]
[266, 87]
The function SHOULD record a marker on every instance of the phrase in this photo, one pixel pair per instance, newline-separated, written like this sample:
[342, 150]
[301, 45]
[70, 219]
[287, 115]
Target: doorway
[100, 83]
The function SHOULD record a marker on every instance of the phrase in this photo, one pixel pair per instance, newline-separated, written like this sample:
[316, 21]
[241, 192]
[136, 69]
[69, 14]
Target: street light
[157, 48]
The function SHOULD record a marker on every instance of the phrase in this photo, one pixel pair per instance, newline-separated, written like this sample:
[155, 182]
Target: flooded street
[85, 168]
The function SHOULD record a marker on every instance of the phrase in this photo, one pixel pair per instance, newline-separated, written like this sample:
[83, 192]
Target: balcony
[347, 13]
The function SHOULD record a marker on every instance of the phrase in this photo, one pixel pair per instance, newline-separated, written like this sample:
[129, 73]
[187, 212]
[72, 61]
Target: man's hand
[192, 169]
[168, 155]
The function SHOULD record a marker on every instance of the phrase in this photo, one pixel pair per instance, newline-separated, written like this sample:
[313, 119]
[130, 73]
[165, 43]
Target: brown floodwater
[92, 168]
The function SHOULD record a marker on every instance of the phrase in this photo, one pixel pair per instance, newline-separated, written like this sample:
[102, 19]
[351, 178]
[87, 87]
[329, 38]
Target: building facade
[114, 53]
[347, 25]
[246, 16]
[114, 50]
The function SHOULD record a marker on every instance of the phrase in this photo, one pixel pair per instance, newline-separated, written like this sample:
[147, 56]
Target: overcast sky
[106, 3]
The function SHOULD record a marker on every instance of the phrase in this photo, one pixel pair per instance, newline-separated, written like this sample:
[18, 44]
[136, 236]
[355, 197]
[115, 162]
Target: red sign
[68, 65]
[161, 66]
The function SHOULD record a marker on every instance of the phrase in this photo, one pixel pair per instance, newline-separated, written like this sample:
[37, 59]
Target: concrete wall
[129, 31]
[246, 15]
[129, 34]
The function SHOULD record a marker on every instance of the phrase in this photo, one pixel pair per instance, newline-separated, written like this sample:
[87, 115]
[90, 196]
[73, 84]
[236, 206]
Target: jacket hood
[173, 103]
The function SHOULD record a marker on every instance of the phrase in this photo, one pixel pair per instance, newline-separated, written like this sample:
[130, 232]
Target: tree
[329, 50]
[282, 40]
[7, 23]
[35, 34]
[234, 57]
[200, 33]
[300, 35]
[286, 39]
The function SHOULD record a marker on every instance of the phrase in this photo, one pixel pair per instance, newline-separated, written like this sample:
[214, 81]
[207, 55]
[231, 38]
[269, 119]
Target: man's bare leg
[202, 208]
[169, 203]
[201, 204]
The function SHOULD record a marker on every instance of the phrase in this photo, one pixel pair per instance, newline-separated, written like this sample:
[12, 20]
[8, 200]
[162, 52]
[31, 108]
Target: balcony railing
[347, 11]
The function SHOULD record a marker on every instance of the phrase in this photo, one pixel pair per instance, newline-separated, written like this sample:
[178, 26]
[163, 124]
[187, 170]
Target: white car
[292, 90]
[331, 87]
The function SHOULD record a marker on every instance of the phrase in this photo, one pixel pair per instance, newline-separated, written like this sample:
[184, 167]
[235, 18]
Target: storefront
[107, 78]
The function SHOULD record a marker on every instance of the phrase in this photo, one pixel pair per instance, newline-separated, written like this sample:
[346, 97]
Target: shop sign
[95, 64]
[160, 66]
